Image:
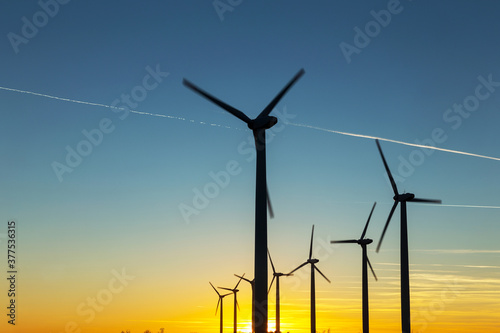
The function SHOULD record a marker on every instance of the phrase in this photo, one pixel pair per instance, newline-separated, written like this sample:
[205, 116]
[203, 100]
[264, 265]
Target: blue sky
[120, 205]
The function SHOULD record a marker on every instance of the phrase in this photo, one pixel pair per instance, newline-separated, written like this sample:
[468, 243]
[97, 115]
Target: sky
[130, 193]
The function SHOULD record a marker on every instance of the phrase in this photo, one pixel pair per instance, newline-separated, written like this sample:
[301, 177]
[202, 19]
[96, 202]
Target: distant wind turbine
[258, 126]
[252, 284]
[221, 300]
[363, 242]
[277, 276]
[313, 263]
[236, 305]
[405, 273]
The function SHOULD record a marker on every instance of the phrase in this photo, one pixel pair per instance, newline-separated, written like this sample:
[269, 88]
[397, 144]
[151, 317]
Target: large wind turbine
[252, 284]
[405, 274]
[221, 300]
[363, 242]
[258, 126]
[313, 263]
[277, 275]
[234, 291]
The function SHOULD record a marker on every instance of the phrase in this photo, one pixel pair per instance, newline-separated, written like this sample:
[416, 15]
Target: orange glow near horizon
[441, 303]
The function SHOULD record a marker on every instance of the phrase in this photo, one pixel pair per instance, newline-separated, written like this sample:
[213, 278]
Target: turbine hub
[404, 197]
[265, 122]
[312, 261]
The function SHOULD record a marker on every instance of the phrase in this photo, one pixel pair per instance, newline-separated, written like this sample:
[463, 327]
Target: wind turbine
[221, 299]
[234, 291]
[258, 126]
[252, 284]
[405, 274]
[363, 242]
[313, 263]
[277, 277]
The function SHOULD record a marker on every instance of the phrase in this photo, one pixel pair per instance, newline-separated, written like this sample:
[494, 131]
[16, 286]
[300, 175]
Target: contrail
[471, 206]
[109, 107]
[395, 141]
[224, 126]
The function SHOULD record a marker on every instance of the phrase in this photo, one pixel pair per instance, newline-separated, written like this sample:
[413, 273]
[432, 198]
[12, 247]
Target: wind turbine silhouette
[363, 242]
[221, 299]
[277, 277]
[258, 126]
[405, 274]
[252, 284]
[234, 291]
[313, 263]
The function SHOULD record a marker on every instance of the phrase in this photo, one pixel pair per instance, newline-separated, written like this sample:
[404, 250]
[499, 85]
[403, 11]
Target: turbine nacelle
[404, 197]
[263, 122]
[365, 241]
[312, 261]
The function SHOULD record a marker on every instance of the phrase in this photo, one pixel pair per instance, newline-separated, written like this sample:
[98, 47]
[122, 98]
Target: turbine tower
[405, 274]
[236, 305]
[313, 263]
[258, 126]
[363, 242]
[277, 277]
[221, 299]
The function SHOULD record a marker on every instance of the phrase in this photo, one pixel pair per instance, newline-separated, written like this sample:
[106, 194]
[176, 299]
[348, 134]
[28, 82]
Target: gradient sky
[118, 211]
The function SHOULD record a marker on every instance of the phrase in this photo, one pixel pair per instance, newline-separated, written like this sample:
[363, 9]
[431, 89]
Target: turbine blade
[323, 275]
[283, 91]
[274, 276]
[387, 224]
[368, 221]
[272, 265]
[299, 267]
[239, 281]
[393, 183]
[241, 277]
[344, 241]
[311, 248]
[436, 201]
[373, 272]
[217, 308]
[237, 304]
[235, 112]
[214, 288]
[225, 288]
[269, 206]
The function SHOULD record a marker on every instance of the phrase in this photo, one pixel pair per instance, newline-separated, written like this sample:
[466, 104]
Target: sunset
[160, 158]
